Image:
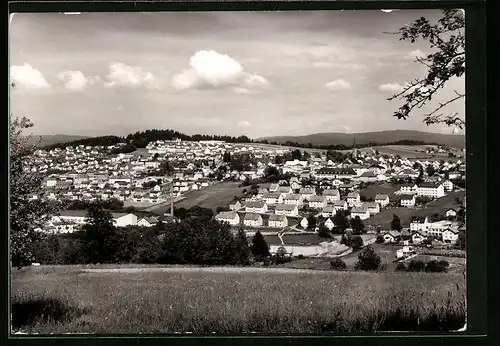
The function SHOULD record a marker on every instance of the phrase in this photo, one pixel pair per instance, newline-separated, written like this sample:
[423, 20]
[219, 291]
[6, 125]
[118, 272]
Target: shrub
[300, 256]
[356, 242]
[380, 239]
[436, 266]
[337, 264]
[368, 260]
[416, 266]
[401, 267]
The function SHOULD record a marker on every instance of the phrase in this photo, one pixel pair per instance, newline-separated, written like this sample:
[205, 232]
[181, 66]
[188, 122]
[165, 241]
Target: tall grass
[168, 302]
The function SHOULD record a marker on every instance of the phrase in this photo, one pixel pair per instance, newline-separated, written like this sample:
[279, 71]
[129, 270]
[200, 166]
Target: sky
[233, 73]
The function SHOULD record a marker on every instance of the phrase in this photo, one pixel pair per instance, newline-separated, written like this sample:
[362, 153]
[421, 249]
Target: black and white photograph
[237, 172]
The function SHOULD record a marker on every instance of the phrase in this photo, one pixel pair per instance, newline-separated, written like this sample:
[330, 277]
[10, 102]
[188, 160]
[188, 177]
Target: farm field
[211, 197]
[456, 264]
[232, 300]
[439, 206]
[384, 188]
[411, 152]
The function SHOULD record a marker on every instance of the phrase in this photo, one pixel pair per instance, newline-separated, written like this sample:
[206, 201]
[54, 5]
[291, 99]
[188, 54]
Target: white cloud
[338, 84]
[244, 123]
[25, 76]
[417, 53]
[73, 80]
[121, 74]
[240, 90]
[212, 69]
[391, 87]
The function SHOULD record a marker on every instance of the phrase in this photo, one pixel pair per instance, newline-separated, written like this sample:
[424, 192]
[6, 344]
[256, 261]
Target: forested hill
[141, 139]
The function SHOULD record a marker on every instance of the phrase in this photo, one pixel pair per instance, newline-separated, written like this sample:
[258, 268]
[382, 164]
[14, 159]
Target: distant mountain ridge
[334, 138]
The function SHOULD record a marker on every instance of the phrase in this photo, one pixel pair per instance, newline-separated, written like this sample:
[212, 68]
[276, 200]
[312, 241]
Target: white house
[435, 190]
[236, 205]
[287, 210]
[362, 212]
[304, 223]
[382, 199]
[331, 195]
[230, 217]
[353, 199]
[307, 193]
[448, 185]
[450, 235]
[418, 237]
[259, 207]
[367, 177]
[273, 187]
[317, 202]
[408, 201]
[253, 220]
[147, 222]
[293, 199]
[408, 188]
[328, 211]
[273, 198]
[340, 205]
[278, 221]
[329, 224]
[373, 207]
[124, 219]
[419, 224]
[284, 190]
[391, 237]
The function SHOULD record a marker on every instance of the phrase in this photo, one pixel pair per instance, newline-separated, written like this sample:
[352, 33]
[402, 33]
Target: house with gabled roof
[408, 201]
[328, 211]
[317, 202]
[278, 221]
[382, 199]
[230, 217]
[353, 199]
[362, 212]
[287, 209]
[331, 195]
[253, 220]
[391, 236]
[259, 206]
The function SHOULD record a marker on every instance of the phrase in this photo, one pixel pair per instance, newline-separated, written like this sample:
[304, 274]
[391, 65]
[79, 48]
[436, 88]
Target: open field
[68, 299]
[439, 206]
[411, 152]
[211, 197]
[384, 188]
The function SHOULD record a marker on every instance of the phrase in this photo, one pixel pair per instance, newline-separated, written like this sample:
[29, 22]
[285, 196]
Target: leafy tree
[430, 170]
[368, 260]
[447, 40]
[242, 252]
[356, 242]
[341, 221]
[324, 232]
[26, 216]
[337, 264]
[416, 266]
[434, 266]
[357, 225]
[380, 239]
[100, 235]
[226, 157]
[396, 223]
[461, 240]
[272, 174]
[259, 248]
[311, 221]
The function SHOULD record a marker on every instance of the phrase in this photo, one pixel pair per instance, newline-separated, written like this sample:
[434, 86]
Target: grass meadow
[71, 299]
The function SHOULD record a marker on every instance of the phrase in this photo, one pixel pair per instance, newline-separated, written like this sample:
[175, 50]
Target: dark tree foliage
[434, 266]
[324, 232]
[26, 215]
[368, 260]
[100, 235]
[311, 221]
[337, 264]
[242, 251]
[396, 223]
[380, 239]
[416, 266]
[272, 174]
[401, 267]
[103, 141]
[447, 40]
[259, 248]
[357, 225]
[341, 221]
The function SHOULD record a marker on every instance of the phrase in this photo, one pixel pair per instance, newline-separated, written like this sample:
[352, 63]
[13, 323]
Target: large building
[434, 190]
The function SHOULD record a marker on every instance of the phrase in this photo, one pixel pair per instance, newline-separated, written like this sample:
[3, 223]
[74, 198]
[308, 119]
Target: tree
[357, 225]
[272, 174]
[337, 264]
[341, 221]
[356, 242]
[434, 266]
[324, 232]
[26, 215]
[226, 157]
[242, 252]
[396, 223]
[368, 260]
[461, 240]
[259, 248]
[447, 39]
[311, 221]
[380, 239]
[100, 246]
[430, 170]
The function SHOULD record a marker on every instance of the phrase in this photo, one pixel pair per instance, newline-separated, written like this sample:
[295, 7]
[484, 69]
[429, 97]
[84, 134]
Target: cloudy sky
[252, 73]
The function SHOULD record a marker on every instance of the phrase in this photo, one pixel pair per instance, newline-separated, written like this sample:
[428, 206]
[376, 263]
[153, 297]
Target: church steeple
[354, 150]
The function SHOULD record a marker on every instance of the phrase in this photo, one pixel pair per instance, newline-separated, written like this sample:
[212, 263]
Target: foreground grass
[65, 299]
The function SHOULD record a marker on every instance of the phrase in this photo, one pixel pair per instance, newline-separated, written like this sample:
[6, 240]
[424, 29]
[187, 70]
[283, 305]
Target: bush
[416, 266]
[300, 257]
[401, 267]
[436, 266]
[368, 260]
[380, 239]
[356, 242]
[337, 264]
